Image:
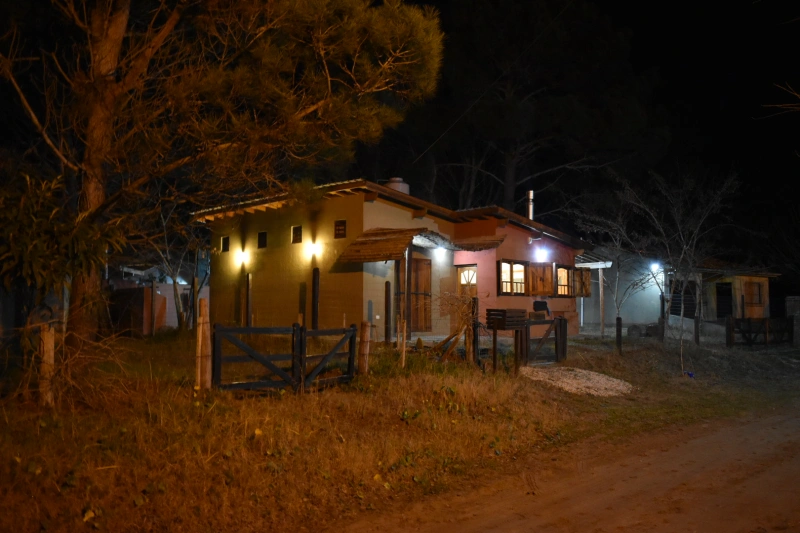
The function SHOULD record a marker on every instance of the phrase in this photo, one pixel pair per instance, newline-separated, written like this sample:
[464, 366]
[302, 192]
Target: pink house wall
[517, 246]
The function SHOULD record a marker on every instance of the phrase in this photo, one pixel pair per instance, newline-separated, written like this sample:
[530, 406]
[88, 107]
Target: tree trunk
[108, 25]
[176, 294]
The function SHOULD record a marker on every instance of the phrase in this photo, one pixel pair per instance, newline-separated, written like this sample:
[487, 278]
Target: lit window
[297, 234]
[262, 239]
[340, 229]
[468, 280]
[512, 277]
[225, 244]
[564, 276]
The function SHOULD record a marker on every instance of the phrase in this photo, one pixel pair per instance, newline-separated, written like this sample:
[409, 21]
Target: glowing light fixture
[313, 249]
[541, 254]
[655, 267]
[439, 253]
[242, 257]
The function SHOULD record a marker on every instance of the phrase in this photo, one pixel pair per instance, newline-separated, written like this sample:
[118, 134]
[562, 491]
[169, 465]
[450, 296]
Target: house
[725, 290]
[343, 259]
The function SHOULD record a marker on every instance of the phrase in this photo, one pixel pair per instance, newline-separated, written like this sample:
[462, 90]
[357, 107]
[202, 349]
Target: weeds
[143, 451]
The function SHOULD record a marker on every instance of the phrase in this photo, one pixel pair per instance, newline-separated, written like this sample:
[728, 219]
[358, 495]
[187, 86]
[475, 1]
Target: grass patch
[144, 452]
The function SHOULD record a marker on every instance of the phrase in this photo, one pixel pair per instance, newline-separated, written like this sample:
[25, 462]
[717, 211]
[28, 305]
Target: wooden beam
[370, 196]
[419, 213]
[502, 222]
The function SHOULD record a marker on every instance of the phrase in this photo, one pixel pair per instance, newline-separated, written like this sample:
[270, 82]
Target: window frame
[458, 276]
[512, 263]
[336, 226]
[296, 234]
[570, 286]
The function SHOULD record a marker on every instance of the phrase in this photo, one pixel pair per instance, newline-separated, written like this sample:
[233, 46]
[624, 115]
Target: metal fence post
[351, 359]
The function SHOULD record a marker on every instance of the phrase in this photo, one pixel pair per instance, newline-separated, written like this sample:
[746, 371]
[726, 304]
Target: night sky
[719, 68]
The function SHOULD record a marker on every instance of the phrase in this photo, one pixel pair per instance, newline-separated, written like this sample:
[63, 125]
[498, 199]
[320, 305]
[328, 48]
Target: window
[468, 281]
[262, 239]
[564, 277]
[752, 293]
[297, 234]
[512, 277]
[225, 244]
[340, 229]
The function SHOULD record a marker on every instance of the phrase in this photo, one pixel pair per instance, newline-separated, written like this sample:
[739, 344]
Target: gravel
[578, 381]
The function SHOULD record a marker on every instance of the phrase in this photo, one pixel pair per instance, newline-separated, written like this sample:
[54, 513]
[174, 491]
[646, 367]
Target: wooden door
[420, 293]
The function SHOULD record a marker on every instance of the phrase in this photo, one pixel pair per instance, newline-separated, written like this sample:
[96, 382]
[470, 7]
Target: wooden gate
[294, 367]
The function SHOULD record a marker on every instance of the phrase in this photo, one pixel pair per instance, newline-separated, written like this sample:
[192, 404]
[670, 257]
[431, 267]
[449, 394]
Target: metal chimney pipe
[530, 205]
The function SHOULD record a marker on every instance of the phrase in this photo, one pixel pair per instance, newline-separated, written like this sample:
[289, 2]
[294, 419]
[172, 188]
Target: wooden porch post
[407, 293]
[602, 303]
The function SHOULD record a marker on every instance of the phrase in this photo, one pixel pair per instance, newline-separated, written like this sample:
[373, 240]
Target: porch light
[242, 257]
[655, 267]
[541, 254]
[439, 253]
[313, 249]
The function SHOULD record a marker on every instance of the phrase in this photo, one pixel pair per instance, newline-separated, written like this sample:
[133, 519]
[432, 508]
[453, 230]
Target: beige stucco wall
[282, 272]
[383, 214]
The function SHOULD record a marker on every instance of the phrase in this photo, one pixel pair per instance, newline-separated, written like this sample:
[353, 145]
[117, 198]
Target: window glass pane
[505, 277]
[297, 234]
[225, 244]
[564, 281]
[519, 278]
[262, 239]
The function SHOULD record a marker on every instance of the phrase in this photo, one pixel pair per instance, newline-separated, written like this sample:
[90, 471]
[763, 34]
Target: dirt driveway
[734, 476]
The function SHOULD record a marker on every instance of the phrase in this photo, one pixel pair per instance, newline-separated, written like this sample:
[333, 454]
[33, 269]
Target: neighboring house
[342, 260]
[131, 306]
[726, 290]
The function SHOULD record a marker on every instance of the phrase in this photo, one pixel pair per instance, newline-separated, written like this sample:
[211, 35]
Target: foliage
[230, 96]
[41, 242]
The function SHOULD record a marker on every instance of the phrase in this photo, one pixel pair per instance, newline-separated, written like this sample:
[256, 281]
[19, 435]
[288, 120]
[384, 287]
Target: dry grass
[146, 455]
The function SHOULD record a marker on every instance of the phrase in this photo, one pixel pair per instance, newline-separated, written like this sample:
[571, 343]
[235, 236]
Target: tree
[235, 93]
[534, 95]
[611, 223]
[680, 222]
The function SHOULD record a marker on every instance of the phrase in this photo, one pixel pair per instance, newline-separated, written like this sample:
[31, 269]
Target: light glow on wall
[541, 254]
[439, 253]
[313, 249]
[242, 257]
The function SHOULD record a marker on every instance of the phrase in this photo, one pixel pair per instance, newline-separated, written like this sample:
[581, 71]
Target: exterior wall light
[439, 253]
[242, 257]
[313, 249]
[541, 254]
[655, 267]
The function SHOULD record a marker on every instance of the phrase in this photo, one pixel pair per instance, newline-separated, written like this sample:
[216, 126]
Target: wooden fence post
[494, 349]
[203, 347]
[153, 308]
[401, 336]
[363, 349]
[729, 332]
[387, 313]
[476, 341]
[47, 340]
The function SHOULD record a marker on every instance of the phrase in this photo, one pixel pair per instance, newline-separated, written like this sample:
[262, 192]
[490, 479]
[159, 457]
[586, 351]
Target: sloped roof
[351, 187]
[385, 244]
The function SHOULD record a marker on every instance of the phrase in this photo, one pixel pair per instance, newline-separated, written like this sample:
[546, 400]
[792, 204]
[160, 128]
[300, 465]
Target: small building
[719, 290]
[345, 258]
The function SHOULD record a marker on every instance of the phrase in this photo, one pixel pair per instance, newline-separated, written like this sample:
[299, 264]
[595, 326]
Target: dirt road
[734, 476]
